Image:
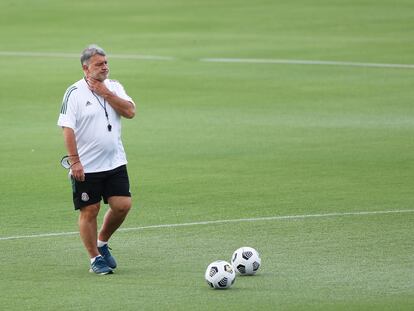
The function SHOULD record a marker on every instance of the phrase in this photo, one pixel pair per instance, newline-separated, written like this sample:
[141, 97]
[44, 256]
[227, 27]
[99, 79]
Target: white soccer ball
[246, 260]
[220, 274]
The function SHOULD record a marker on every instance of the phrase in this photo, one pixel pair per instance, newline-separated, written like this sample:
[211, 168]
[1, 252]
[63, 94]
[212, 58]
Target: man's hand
[123, 107]
[98, 87]
[77, 171]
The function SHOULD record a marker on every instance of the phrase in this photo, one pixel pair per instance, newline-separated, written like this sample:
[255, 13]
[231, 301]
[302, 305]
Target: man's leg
[88, 232]
[115, 216]
[88, 228]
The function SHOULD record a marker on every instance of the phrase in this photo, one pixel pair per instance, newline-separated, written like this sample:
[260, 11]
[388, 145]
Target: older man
[91, 120]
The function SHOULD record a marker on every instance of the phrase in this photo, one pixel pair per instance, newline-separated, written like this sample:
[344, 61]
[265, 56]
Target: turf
[217, 141]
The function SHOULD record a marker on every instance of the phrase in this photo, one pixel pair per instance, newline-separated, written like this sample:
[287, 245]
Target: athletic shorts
[98, 186]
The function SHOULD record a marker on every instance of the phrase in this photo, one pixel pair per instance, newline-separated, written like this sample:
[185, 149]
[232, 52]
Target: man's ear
[85, 67]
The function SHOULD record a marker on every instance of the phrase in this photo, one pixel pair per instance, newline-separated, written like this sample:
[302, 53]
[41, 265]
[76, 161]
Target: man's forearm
[74, 160]
[70, 144]
[123, 107]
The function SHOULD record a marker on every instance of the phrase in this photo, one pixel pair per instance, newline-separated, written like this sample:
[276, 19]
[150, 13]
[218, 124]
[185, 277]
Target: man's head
[94, 63]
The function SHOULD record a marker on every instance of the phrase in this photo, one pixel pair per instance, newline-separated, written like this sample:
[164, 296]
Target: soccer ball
[220, 274]
[246, 260]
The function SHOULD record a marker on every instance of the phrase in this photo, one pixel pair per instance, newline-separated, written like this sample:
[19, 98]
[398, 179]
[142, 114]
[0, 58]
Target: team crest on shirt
[88, 103]
[84, 197]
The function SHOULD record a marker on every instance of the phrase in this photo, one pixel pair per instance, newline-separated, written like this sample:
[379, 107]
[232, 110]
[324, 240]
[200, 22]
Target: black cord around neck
[109, 126]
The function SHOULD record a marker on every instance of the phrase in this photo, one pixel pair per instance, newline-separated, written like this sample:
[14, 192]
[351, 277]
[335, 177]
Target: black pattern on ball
[241, 269]
[247, 255]
[213, 271]
[223, 282]
[235, 257]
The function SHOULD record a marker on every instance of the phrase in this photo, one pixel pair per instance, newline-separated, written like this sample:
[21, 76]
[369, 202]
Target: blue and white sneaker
[99, 266]
[106, 254]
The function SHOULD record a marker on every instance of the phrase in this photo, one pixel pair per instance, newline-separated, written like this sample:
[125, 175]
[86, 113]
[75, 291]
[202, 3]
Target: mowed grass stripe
[75, 55]
[304, 62]
[216, 60]
[222, 221]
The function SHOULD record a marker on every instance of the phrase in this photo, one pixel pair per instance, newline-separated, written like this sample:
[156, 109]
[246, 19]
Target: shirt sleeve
[68, 111]
[120, 91]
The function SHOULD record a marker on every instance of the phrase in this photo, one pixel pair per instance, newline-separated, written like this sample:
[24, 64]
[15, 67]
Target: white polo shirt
[83, 111]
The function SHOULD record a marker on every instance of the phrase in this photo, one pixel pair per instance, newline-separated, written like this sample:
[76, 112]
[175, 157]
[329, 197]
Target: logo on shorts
[84, 197]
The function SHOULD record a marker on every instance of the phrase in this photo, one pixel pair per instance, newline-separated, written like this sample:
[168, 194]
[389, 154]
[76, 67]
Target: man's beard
[100, 76]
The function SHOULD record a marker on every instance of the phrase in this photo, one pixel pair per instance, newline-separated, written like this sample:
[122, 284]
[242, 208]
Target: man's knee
[120, 205]
[90, 211]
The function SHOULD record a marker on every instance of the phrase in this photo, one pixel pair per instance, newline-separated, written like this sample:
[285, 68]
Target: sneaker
[99, 266]
[106, 254]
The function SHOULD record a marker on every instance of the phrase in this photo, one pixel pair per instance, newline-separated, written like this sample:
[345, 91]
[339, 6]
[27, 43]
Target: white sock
[93, 259]
[101, 243]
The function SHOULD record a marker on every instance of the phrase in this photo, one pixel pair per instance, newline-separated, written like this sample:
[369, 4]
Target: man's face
[98, 68]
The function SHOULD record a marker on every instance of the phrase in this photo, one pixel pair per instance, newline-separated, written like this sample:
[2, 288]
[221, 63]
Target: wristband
[74, 164]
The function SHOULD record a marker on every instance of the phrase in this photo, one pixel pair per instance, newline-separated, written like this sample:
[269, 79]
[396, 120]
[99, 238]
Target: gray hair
[90, 51]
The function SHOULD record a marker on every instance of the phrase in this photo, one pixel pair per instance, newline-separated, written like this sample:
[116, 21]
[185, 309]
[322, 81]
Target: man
[91, 120]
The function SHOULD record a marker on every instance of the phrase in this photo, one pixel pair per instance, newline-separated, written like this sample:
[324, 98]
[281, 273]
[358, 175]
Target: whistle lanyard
[109, 126]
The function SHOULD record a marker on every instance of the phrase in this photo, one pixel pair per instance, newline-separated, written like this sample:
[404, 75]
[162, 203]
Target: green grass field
[214, 143]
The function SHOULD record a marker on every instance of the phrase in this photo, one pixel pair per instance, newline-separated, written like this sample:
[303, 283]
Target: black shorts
[102, 185]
